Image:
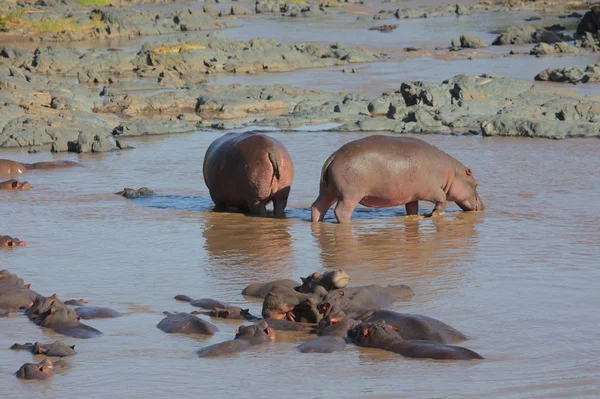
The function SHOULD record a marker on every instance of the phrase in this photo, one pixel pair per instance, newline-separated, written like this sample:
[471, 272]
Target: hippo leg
[343, 210]
[257, 209]
[320, 207]
[219, 205]
[280, 202]
[439, 198]
[412, 208]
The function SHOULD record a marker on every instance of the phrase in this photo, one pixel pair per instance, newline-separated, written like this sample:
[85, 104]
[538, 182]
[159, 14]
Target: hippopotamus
[232, 312]
[57, 348]
[247, 171]
[331, 280]
[185, 323]
[14, 294]
[282, 303]
[260, 290]
[204, 303]
[95, 312]
[12, 168]
[246, 337]
[35, 371]
[385, 171]
[65, 321]
[14, 184]
[410, 326]
[383, 336]
[332, 332]
[75, 302]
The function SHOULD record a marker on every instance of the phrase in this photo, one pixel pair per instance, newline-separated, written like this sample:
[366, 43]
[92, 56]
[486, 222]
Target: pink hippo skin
[386, 171]
[247, 171]
[12, 168]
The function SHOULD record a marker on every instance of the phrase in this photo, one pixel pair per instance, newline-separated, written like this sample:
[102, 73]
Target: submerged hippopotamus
[57, 348]
[410, 326]
[14, 293]
[332, 332]
[11, 242]
[42, 370]
[185, 323]
[247, 171]
[246, 337]
[385, 171]
[12, 168]
[52, 313]
[384, 336]
[96, 312]
[14, 184]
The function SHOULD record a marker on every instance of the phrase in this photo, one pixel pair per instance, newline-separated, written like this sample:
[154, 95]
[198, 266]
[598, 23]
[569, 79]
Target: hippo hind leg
[320, 207]
[343, 210]
[280, 202]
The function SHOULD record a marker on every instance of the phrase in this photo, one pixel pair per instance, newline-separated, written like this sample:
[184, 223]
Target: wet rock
[471, 41]
[564, 47]
[141, 192]
[522, 34]
[146, 127]
[590, 23]
[509, 126]
[211, 10]
[542, 49]
[90, 142]
[587, 40]
[240, 10]
[570, 74]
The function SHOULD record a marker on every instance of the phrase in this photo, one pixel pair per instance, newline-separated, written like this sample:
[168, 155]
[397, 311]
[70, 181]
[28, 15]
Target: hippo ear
[303, 280]
[468, 172]
[335, 320]
[393, 327]
[341, 293]
[365, 332]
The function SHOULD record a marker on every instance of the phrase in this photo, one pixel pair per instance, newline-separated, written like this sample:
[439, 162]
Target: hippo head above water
[367, 334]
[33, 371]
[463, 191]
[14, 184]
[330, 281]
[260, 332]
[10, 242]
[331, 303]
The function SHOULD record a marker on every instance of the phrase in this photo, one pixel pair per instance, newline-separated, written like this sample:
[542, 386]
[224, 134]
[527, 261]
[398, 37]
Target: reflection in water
[241, 246]
[407, 247]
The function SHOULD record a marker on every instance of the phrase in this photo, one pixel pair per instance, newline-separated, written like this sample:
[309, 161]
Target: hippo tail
[274, 158]
[325, 171]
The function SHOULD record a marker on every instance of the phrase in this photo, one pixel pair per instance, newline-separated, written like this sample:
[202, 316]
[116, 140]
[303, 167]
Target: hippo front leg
[320, 207]
[412, 208]
[439, 199]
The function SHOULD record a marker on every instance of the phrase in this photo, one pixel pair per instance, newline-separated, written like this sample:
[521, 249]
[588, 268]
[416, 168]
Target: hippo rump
[247, 171]
[386, 171]
[12, 168]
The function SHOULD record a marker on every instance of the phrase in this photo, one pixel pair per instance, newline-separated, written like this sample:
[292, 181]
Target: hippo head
[10, 242]
[370, 334]
[14, 184]
[33, 371]
[330, 281]
[41, 305]
[463, 191]
[331, 303]
[336, 324]
[228, 312]
[257, 333]
[306, 311]
[58, 316]
[9, 278]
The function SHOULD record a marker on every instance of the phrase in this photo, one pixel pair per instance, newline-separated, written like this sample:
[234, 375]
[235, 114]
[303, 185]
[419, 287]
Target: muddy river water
[520, 279]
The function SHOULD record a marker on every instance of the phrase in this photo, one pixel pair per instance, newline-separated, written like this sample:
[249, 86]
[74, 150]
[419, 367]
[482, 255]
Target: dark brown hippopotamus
[385, 171]
[11, 242]
[247, 171]
[14, 184]
[12, 168]
[409, 326]
[245, 338]
[383, 336]
[56, 349]
[185, 323]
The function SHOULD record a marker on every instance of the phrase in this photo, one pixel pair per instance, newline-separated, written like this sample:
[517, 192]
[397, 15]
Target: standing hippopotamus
[247, 171]
[12, 168]
[386, 171]
[14, 184]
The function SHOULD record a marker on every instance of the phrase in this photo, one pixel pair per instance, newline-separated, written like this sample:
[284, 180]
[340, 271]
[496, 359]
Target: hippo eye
[10, 243]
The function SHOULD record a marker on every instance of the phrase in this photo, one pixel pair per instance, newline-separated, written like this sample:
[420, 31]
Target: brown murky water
[520, 279]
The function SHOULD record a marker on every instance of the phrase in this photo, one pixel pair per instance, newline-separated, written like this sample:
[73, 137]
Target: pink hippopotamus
[385, 171]
[12, 168]
[247, 171]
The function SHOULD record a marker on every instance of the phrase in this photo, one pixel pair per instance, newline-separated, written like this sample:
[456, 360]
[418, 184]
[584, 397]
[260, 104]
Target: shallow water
[520, 279]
